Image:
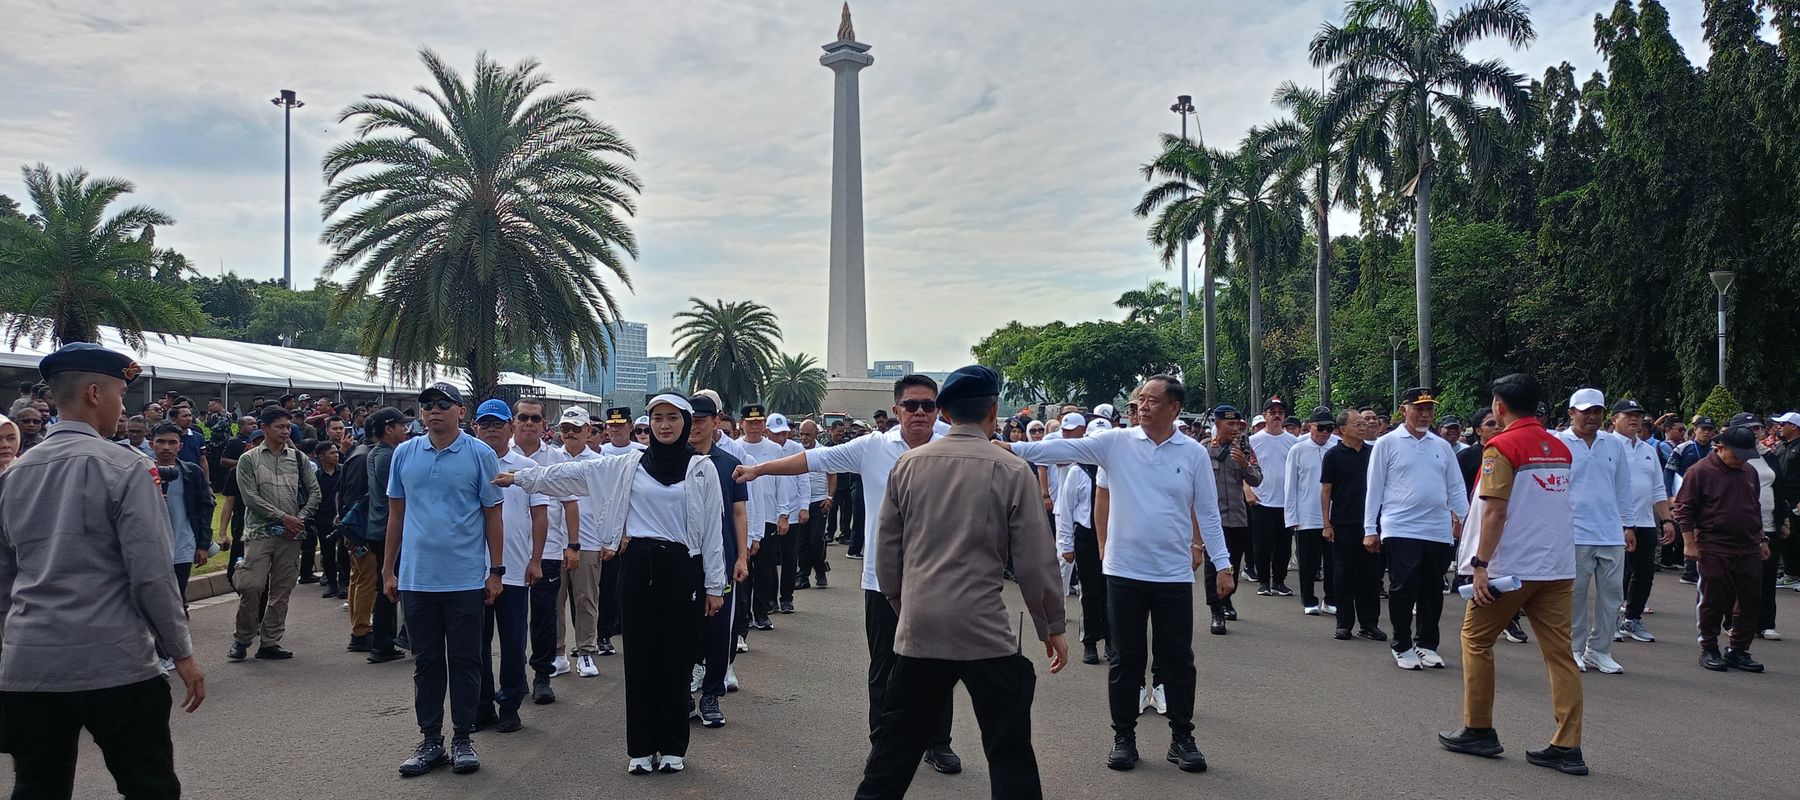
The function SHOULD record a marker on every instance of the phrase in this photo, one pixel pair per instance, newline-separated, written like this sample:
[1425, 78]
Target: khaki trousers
[1547, 605]
[365, 578]
[271, 568]
[583, 586]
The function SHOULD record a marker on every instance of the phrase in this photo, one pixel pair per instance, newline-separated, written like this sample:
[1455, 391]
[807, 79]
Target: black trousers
[765, 572]
[717, 651]
[384, 617]
[444, 629]
[1640, 571]
[1237, 540]
[879, 623]
[811, 553]
[1001, 690]
[545, 618]
[606, 622]
[661, 591]
[129, 723]
[1415, 582]
[850, 525]
[787, 554]
[1315, 554]
[1168, 608]
[1358, 574]
[1093, 589]
[507, 617]
[1273, 543]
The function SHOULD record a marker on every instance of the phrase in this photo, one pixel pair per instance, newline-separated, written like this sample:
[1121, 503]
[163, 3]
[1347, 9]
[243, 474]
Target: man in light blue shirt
[1416, 496]
[443, 505]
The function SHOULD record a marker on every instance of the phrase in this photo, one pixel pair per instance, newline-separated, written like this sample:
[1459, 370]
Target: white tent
[226, 363]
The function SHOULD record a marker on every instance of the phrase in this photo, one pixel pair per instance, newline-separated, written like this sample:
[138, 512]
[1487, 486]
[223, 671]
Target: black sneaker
[1740, 659]
[1372, 634]
[509, 721]
[1690, 578]
[485, 717]
[541, 693]
[1185, 754]
[822, 582]
[1342, 633]
[1566, 760]
[384, 656]
[1251, 576]
[606, 646]
[1710, 659]
[360, 644]
[273, 652]
[1124, 754]
[462, 757]
[711, 716]
[943, 759]
[331, 590]
[1262, 590]
[429, 755]
[309, 579]
[1282, 590]
[1218, 624]
[1230, 612]
[1090, 654]
[1515, 632]
[802, 583]
[1483, 742]
[238, 652]
[1111, 652]
[763, 624]
[402, 641]
[787, 608]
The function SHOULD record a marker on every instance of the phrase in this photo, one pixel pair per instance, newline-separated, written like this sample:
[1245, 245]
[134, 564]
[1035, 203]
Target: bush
[1720, 405]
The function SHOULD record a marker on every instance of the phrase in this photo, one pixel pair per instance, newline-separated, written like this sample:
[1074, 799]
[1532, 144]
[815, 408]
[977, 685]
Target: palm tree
[1400, 67]
[1332, 156]
[727, 346]
[69, 269]
[488, 214]
[1189, 198]
[1259, 217]
[1154, 304]
[796, 385]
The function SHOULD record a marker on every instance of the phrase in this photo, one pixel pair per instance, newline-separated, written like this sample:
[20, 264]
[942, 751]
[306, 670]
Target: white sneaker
[671, 764]
[1580, 663]
[1770, 634]
[559, 666]
[585, 667]
[345, 606]
[1406, 659]
[731, 680]
[743, 645]
[1329, 609]
[641, 766]
[1311, 611]
[167, 665]
[1430, 658]
[1160, 700]
[1144, 699]
[698, 678]
[1602, 662]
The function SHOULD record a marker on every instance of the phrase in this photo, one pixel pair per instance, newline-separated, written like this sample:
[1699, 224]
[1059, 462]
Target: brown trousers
[1730, 588]
[271, 568]
[365, 581]
[1547, 605]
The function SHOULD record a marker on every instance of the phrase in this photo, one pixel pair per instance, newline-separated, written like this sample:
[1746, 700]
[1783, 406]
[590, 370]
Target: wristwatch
[1475, 562]
[498, 572]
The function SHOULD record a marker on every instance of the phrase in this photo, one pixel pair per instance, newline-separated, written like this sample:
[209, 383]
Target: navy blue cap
[1227, 411]
[449, 392]
[1627, 406]
[703, 405]
[89, 357]
[973, 380]
[494, 407]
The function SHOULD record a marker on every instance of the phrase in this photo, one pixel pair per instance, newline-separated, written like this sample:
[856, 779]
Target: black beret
[620, 416]
[89, 357]
[1226, 411]
[974, 380]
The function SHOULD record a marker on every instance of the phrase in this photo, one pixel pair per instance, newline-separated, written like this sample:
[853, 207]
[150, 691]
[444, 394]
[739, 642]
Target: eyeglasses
[529, 417]
[1325, 426]
[441, 404]
[1491, 424]
[917, 406]
[490, 424]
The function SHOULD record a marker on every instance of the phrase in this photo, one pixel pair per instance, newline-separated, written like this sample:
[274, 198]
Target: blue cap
[1227, 411]
[495, 408]
[89, 357]
[974, 380]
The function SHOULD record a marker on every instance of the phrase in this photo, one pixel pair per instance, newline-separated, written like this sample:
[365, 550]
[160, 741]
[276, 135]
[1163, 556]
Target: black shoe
[331, 590]
[1515, 632]
[1218, 625]
[1282, 590]
[1740, 659]
[1710, 659]
[384, 656]
[541, 693]
[787, 608]
[711, 716]
[1111, 652]
[402, 641]
[1230, 613]
[462, 757]
[763, 624]
[822, 583]
[485, 717]
[509, 721]
[1342, 633]
[943, 759]
[1566, 760]
[1372, 634]
[360, 644]
[802, 583]
[309, 579]
[1184, 754]
[1124, 754]
[273, 652]
[1251, 576]
[1090, 654]
[238, 651]
[429, 755]
[606, 646]
[343, 594]
[1262, 590]
[1472, 741]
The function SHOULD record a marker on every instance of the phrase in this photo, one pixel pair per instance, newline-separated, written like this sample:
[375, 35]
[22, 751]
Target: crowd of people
[676, 537]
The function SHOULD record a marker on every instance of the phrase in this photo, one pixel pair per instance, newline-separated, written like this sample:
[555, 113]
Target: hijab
[667, 463]
[18, 439]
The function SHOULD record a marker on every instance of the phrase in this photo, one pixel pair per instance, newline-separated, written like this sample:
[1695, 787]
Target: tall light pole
[1722, 282]
[288, 101]
[1184, 105]
[1394, 352]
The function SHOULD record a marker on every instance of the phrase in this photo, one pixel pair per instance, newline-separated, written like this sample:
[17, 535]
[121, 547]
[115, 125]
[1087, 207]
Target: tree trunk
[1256, 395]
[1422, 252]
[1322, 293]
[1210, 353]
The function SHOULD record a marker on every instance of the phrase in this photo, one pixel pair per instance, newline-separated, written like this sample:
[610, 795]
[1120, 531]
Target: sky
[1001, 140]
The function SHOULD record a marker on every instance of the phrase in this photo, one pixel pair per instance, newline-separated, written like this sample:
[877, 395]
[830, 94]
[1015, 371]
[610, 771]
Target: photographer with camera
[279, 493]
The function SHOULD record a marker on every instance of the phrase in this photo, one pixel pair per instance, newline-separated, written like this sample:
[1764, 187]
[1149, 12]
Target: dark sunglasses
[489, 424]
[441, 404]
[916, 406]
[529, 417]
[1325, 426]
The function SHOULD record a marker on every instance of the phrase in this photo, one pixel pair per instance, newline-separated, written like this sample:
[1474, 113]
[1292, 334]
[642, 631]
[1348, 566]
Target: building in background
[891, 370]
[625, 377]
[662, 375]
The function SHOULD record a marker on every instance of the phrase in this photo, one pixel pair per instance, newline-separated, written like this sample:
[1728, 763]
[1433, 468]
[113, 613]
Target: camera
[164, 475]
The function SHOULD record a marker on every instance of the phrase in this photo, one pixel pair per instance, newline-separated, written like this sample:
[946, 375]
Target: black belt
[659, 544]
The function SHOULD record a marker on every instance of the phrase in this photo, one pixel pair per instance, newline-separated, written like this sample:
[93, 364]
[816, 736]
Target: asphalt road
[1284, 711]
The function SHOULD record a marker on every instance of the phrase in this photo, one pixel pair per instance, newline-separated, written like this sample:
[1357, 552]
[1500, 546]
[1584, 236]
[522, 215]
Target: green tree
[1259, 220]
[796, 385]
[1154, 304]
[1095, 362]
[727, 346]
[9, 208]
[1398, 66]
[1002, 349]
[487, 215]
[70, 276]
[1186, 197]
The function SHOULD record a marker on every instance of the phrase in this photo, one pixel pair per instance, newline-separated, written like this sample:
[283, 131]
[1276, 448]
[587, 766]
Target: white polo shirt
[771, 496]
[871, 456]
[1301, 479]
[1415, 487]
[558, 537]
[1158, 490]
[1646, 480]
[515, 520]
[1599, 488]
[1271, 453]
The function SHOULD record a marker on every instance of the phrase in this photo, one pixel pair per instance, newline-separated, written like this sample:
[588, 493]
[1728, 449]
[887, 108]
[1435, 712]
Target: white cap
[575, 415]
[778, 423]
[670, 399]
[1073, 420]
[1105, 410]
[1098, 425]
[1257, 421]
[645, 419]
[1790, 418]
[1038, 424]
[1584, 399]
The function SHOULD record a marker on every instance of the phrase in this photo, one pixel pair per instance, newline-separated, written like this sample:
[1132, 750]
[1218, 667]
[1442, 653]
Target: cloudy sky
[1000, 138]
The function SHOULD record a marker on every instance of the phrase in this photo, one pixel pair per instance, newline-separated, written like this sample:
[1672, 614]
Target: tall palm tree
[1188, 195]
[727, 346]
[1154, 304]
[488, 213]
[796, 385]
[1400, 66]
[70, 268]
[1259, 218]
[1327, 160]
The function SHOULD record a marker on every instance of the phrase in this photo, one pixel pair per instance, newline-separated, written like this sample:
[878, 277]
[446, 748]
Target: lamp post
[1721, 281]
[1394, 352]
[1184, 105]
[288, 101]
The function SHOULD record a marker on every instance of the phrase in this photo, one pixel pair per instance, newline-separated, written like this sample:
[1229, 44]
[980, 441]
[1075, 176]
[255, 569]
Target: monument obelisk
[849, 388]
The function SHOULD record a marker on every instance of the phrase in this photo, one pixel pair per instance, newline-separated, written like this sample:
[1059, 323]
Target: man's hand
[1483, 595]
[1237, 455]
[492, 590]
[1198, 554]
[1328, 534]
[1007, 446]
[713, 604]
[188, 668]
[201, 554]
[1630, 540]
[781, 525]
[755, 546]
[390, 585]
[534, 572]
[1225, 584]
[1372, 544]
[1690, 550]
[1057, 648]
[1069, 557]
[1049, 504]
[607, 555]
[292, 524]
[1765, 551]
[740, 570]
[743, 473]
[825, 505]
[571, 558]
[503, 480]
[1668, 532]
[805, 515]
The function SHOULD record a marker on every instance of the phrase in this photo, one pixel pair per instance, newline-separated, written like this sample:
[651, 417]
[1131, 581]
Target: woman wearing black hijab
[665, 503]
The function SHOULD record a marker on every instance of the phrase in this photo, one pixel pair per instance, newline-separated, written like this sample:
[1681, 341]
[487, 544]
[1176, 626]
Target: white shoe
[1329, 609]
[731, 680]
[1770, 634]
[1406, 659]
[1311, 611]
[585, 667]
[1430, 658]
[1602, 662]
[345, 606]
[671, 764]
[1160, 700]
[1144, 699]
[743, 645]
[167, 665]
[641, 766]
[1580, 663]
[698, 678]
[559, 666]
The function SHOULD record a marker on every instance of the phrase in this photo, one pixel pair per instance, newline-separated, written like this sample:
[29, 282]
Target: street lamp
[1394, 352]
[1184, 105]
[288, 101]
[1722, 282]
